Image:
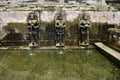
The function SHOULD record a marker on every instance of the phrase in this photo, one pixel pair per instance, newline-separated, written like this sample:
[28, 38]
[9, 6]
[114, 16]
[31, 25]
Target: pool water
[56, 65]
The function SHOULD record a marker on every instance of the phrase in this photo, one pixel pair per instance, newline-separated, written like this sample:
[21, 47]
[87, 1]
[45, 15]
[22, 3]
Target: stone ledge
[109, 52]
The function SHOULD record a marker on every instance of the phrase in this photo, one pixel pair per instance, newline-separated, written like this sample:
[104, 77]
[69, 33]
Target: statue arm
[89, 23]
[81, 24]
[57, 23]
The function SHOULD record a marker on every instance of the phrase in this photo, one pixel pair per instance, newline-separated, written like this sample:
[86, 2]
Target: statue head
[60, 16]
[32, 15]
[85, 16]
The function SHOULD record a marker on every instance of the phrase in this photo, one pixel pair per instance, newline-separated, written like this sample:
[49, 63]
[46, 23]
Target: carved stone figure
[59, 29]
[84, 25]
[33, 27]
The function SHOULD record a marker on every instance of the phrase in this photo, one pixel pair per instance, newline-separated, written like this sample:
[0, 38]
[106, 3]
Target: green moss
[2, 5]
[72, 23]
[98, 31]
[20, 26]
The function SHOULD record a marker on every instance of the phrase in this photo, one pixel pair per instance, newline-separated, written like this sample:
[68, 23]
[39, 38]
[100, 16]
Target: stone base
[83, 44]
[33, 45]
[60, 45]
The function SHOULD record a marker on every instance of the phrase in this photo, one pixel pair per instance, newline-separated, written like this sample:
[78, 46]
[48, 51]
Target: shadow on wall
[98, 32]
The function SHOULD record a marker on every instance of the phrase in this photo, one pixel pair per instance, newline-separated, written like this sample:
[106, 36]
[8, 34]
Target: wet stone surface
[56, 65]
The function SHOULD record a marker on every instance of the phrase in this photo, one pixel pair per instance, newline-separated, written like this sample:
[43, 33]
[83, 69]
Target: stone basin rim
[48, 48]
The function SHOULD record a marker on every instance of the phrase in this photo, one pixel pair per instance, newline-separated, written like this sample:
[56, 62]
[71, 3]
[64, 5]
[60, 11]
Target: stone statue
[84, 25]
[59, 29]
[33, 27]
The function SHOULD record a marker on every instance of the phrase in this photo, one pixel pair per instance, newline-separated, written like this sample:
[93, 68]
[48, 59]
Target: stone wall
[12, 16]
[48, 16]
[97, 32]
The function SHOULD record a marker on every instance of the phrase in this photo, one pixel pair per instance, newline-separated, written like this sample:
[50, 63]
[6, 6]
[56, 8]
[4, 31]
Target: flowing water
[56, 65]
